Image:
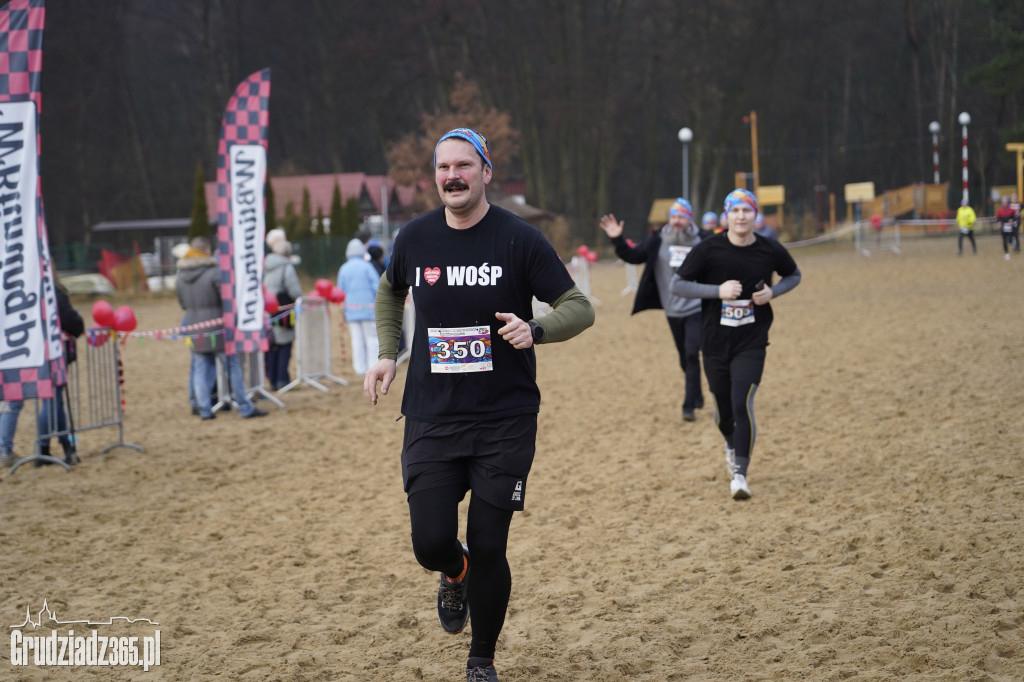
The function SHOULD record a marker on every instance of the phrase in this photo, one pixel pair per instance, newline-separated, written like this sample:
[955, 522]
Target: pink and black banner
[241, 222]
[31, 353]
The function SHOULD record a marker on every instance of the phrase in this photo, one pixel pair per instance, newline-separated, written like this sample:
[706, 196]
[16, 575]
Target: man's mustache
[455, 184]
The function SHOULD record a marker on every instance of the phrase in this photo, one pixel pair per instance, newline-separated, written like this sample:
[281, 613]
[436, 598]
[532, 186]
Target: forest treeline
[594, 90]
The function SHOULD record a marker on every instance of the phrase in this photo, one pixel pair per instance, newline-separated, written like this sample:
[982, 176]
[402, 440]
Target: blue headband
[740, 196]
[471, 136]
[710, 217]
[681, 207]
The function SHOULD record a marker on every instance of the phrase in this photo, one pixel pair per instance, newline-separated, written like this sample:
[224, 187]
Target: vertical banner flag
[241, 224]
[31, 356]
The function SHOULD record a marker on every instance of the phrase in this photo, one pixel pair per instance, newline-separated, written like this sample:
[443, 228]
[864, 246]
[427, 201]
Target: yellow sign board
[1000, 191]
[659, 211]
[858, 191]
[771, 195]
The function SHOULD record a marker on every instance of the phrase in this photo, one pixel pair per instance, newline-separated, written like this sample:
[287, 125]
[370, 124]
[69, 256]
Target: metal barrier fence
[312, 345]
[91, 400]
[253, 379]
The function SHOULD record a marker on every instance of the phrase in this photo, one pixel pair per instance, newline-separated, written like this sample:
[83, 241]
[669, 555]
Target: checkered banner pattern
[241, 174]
[31, 356]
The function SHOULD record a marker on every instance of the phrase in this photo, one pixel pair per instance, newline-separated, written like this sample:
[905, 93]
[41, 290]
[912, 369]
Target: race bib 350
[459, 349]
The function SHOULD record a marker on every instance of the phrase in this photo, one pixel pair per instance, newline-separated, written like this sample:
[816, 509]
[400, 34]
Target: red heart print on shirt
[431, 275]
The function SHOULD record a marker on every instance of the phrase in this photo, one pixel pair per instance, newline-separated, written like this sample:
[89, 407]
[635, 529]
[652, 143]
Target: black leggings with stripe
[434, 513]
[733, 381]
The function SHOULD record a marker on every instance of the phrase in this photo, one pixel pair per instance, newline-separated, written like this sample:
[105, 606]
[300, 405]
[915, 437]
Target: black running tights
[733, 381]
[435, 526]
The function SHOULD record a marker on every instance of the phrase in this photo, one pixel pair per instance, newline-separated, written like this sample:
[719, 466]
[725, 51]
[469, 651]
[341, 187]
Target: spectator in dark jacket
[280, 278]
[376, 253]
[53, 419]
[198, 287]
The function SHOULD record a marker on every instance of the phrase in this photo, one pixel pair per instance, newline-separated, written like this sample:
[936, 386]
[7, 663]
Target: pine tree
[304, 230]
[337, 213]
[290, 222]
[200, 223]
[352, 218]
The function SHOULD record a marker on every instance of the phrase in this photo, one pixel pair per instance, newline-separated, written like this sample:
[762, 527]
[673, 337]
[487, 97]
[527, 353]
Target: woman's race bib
[737, 313]
[459, 349]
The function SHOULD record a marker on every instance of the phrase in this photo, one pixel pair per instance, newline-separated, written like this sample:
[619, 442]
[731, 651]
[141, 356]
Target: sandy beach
[883, 540]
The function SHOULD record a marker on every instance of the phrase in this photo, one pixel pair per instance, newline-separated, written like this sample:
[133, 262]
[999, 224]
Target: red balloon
[583, 249]
[323, 287]
[336, 295]
[270, 303]
[124, 319]
[103, 314]
[96, 335]
[591, 257]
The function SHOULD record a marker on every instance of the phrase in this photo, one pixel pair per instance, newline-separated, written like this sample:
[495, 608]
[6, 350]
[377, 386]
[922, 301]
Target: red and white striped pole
[933, 127]
[964, 119]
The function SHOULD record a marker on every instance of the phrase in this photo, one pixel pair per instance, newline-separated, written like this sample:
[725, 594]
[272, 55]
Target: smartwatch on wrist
[538, 332]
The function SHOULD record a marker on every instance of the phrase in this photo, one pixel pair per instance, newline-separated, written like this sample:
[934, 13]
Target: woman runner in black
[733, 273]
[471, 398]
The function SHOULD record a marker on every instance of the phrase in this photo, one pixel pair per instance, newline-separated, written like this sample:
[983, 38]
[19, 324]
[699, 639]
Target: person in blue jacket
[359, 279]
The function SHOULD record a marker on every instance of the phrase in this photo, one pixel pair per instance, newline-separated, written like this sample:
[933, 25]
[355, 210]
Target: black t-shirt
[460, 368]
[726, 328]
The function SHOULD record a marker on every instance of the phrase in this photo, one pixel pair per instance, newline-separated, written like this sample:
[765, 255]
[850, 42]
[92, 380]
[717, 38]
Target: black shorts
[493, 458]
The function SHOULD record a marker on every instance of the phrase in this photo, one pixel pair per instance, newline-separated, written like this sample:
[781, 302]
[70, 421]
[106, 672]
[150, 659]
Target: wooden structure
[918, 199]
[1018, 147]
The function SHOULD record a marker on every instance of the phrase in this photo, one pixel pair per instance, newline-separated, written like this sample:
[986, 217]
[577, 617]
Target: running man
[1006, 217]
[709, 224]
[1015, 205]
[733, 273]
[965, 219]
[662, 253]
[471, 398]
[763, 229]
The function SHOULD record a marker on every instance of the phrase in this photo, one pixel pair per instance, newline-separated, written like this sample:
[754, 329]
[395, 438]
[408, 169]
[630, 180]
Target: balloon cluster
[105, 317]
[585, 251]
[324, 289]
[122, 319]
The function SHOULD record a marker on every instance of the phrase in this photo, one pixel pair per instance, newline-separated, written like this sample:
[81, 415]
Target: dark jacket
[646, 252]
[198, 288]
[71, 324]
[279, 276]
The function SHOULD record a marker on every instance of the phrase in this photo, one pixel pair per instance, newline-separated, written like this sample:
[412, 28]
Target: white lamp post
[686, 136]
[933, 128]
[964, 119]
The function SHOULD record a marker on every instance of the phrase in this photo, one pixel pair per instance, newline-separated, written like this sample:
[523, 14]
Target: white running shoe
[739, 488]
[730, 459]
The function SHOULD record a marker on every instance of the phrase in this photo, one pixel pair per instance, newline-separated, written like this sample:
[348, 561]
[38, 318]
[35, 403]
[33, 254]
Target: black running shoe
[481, 670]
[452, 602]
